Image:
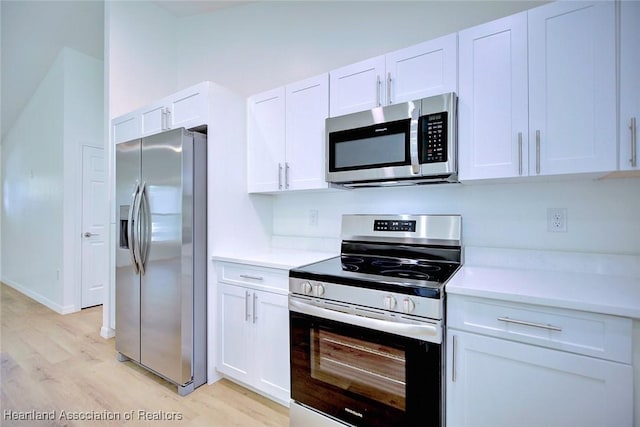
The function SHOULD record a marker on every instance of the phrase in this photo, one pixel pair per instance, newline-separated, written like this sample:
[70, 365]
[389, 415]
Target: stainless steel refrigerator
[161, 203]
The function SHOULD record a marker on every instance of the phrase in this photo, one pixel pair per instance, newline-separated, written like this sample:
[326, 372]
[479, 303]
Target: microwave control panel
[434, 137]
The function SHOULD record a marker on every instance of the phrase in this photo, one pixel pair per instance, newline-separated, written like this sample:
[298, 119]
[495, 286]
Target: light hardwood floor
[60, 363]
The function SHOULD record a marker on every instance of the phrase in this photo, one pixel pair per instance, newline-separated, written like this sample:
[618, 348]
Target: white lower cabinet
[253, 335]
[493, 381]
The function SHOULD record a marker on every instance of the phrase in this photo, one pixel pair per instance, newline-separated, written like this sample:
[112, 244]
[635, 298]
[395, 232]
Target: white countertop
[605, 293]
[275, 258]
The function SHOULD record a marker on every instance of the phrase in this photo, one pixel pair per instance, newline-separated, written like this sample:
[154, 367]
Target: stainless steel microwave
[401, 144]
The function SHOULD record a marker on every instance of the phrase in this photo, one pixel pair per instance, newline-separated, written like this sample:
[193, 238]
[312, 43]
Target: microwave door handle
[413, 141]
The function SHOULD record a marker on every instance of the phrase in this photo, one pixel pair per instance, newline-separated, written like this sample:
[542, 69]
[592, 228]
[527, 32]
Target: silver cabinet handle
[280, 176]
[634, 140]
[248, 276]
[538, 152]
[286, 175]
[247, 316]
[163, 119]
[453, 358]
[255, 299]
[533, 324]
[520, 153]
[167, 118]
[378, 94]
[389, 88]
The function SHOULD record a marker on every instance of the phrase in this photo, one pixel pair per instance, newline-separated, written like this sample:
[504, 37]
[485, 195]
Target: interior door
[94, 212]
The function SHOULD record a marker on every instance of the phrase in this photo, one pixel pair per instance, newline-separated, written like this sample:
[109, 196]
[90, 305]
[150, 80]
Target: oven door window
[373, 370]
[364, 377]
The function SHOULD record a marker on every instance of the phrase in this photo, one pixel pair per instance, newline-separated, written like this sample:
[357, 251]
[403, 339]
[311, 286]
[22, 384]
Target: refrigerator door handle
[145, 227]
[137, 229]
[130, 231]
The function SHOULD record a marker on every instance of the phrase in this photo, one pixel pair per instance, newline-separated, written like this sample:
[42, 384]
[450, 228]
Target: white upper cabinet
[493, 99]
[629, 84]
[266, 140]
[286, 137]
[538, 93]
[357, 87]
[188, 108]
[125, 128]
[572, 88]
[307, 108]
[422, 70]
[425, 69]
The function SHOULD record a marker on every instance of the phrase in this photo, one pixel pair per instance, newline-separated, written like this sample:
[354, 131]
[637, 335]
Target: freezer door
[166, 303]
[127, 277]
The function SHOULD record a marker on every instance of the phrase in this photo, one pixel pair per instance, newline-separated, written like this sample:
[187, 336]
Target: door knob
[88, 234]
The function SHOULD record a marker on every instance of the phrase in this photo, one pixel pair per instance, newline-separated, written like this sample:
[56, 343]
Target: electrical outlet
[313, 217]
[557, 220]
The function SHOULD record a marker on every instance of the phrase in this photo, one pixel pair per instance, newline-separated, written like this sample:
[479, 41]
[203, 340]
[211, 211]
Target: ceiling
[33, 32]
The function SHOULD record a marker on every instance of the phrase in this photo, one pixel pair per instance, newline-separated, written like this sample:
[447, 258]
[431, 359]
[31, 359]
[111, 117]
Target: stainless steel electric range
[367, 326]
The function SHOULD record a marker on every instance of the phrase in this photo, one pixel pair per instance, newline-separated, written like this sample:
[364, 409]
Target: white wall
[143, 55]
[83, 125]
[32, 167]
[42, 167]
[264, 45]
[603, 215]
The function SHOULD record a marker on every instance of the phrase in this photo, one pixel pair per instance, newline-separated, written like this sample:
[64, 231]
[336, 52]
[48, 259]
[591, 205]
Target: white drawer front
[269, 279]
[592, 334]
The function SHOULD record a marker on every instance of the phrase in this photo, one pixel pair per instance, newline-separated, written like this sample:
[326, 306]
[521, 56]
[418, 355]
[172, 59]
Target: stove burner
[349, 267]
[427, 266]
[406, 274]
[347, 259]
[383, 263]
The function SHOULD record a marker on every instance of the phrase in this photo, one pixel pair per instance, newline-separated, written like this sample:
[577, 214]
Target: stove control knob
[306, 288]
[318, 290]
[408, 305]
[389, 302]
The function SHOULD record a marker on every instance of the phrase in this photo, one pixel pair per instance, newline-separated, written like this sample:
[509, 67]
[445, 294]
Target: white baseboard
[40, 298]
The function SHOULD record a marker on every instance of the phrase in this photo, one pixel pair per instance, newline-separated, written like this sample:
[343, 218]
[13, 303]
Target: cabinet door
[266, 141]
[629, 84]
[357, 87]
[495, 382]
[125, 128]
[234, 314]
[153, 119]
[572, 88]
[307, 106]
[422, 70]
[188, 108]
[493, 99]
[272, 344]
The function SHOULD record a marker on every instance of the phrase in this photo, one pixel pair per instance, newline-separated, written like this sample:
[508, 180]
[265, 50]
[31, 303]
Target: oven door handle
[421, 331]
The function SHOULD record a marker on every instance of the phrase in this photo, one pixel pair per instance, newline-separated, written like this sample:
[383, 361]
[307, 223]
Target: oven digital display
[394, 225]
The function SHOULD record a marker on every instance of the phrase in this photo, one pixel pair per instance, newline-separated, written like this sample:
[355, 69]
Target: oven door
[362, 376]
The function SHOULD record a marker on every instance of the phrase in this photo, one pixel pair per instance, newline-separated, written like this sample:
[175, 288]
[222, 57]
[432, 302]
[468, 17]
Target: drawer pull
[535, 325]
[247, 276]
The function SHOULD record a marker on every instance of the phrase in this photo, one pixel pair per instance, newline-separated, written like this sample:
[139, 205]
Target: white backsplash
[603, 215]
